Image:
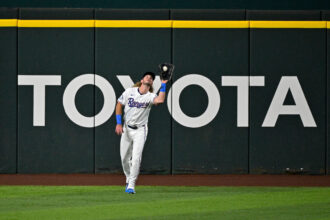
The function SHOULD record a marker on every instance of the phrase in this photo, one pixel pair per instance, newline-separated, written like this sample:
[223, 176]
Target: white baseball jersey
[137, 106]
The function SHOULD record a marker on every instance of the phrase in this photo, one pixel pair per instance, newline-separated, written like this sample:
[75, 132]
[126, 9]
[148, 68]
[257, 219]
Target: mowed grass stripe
[308, 211]
[167, 212]
[114, 194]
[7, 192]
[158, 202]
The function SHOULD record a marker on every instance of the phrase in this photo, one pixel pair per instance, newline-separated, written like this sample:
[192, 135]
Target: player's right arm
[119, 113]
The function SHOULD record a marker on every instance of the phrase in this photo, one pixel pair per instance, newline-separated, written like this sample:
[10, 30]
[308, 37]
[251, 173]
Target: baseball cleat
[130, 191]
[126, 187]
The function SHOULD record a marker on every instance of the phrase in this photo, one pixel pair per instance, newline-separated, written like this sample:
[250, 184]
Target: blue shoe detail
[126, 187]
[130, 191]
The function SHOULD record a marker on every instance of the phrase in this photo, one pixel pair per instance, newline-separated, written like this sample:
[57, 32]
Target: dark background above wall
[175, 4]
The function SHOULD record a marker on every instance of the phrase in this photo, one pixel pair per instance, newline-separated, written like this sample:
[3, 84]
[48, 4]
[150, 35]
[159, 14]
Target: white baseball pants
[131, 148]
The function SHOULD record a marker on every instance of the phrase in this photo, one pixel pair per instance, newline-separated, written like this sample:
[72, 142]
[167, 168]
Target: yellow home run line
[8, 22]
[133, 23]
[170, 24]
[160, 24]
[288, 24]
[56, 23]
[210, 24]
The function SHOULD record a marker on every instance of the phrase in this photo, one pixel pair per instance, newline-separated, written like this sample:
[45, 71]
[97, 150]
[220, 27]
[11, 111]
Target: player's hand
[119, 129]
[164, 81]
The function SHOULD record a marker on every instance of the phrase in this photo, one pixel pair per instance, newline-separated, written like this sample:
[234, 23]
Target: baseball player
[137, 102]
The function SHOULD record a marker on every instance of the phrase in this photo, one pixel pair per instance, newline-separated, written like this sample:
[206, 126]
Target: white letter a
[301, 107]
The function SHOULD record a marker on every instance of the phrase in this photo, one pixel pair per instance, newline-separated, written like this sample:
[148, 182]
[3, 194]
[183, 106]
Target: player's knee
[136, 161]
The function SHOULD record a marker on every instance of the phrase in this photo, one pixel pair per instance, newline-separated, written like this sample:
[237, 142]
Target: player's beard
[147, 84]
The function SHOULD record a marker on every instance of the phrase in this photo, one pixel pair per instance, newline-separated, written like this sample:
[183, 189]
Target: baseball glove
[166, 71]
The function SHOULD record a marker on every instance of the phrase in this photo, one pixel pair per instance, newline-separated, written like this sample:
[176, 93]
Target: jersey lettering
[132, 103]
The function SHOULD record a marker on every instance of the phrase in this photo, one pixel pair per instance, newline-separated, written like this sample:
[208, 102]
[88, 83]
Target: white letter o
[213, 101]
[70, 95]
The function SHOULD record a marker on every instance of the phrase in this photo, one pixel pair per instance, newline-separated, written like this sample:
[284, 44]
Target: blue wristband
[118, 118]
[163, 87]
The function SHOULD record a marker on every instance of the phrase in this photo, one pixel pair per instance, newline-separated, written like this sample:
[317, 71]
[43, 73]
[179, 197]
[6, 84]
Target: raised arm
[119, 112]
[162, 92]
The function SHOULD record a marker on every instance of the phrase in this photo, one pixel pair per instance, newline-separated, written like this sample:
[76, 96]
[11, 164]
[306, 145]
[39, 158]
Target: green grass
[160, 202]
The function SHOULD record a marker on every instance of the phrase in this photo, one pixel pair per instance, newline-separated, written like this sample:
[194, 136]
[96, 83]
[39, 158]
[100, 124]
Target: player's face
[147, 80]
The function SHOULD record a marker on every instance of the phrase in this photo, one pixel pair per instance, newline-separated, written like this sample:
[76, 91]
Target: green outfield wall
[249, 93]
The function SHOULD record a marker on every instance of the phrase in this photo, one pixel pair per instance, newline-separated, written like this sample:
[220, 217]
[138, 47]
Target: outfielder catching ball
[134, 129]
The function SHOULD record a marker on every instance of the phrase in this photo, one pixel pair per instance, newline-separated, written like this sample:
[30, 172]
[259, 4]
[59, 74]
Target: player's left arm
[162, 92]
